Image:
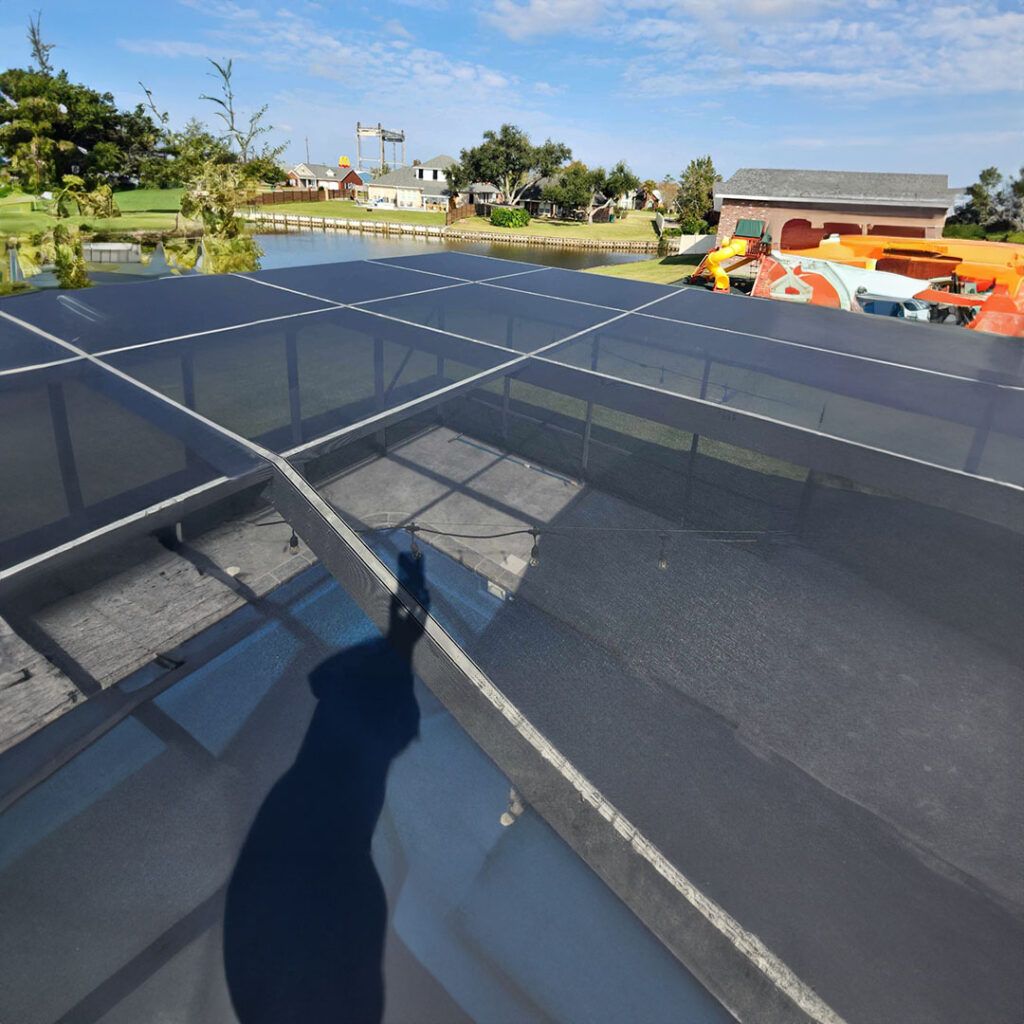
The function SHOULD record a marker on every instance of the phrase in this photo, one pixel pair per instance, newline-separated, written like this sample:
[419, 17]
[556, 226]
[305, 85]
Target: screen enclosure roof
[118, 400]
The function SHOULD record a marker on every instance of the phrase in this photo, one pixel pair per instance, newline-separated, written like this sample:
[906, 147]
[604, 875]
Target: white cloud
[867, 51]
[425, 5]
[542, 17]
[547, 89]
[172, 48]
[395, 28]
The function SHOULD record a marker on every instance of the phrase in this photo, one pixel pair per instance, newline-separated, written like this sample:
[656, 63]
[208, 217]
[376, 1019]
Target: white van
[885, 305]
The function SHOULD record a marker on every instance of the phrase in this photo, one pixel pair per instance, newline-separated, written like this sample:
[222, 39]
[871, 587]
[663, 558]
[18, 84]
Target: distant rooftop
[406, 177]
[326, 171]
[837, 186]
[441, 161]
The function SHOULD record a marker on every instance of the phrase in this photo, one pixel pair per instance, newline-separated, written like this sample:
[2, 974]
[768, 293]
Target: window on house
[435, 175]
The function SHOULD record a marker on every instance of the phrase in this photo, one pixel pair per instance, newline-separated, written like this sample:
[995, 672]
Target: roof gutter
[938, 204]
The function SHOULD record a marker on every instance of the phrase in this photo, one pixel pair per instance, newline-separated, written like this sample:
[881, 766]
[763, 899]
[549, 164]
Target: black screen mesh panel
[358, 281]
[466, 266]
[88, 449]
[98, 319]
[935, 417]
[939, 347]
[20, 347]
[495, 315]
[593, 288]
[726, 591]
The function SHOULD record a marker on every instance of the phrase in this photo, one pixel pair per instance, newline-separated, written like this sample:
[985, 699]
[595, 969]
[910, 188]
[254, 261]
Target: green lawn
[14, 221]
[669, 270]
[144, 209]
[638, 226]
[162, 200]
[344, 208]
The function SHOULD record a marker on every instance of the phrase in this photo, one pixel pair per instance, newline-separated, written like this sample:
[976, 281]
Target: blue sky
[902, 85]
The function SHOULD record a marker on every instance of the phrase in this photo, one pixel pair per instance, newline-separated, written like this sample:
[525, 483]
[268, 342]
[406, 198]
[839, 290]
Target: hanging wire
[413, 529]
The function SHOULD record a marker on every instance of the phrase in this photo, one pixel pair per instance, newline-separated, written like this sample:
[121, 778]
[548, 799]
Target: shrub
[963, 231]
[509, 217]
[13, 287]
[997, 231]
[693, 225]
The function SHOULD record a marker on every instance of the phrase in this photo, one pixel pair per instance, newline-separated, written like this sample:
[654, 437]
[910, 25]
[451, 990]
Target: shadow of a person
[305, 913]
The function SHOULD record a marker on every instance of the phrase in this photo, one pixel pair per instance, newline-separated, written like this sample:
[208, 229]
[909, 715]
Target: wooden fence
[304, 222]
[459, 213]
[299, 195]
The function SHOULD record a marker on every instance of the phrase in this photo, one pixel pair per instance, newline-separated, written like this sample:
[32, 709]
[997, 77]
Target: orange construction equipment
[987, 265]
[751, 241]
[793, 277]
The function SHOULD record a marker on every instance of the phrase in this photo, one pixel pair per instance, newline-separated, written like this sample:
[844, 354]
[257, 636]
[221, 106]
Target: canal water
[301, 248]
[304, 248]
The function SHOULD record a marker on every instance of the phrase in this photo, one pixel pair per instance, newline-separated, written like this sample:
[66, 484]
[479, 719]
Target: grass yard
[142, 209]
[667, 270]
[150, 200]
[345, 208]
[638, 226]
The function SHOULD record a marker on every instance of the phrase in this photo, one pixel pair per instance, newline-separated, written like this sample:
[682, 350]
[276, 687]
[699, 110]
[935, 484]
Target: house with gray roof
[424, 184]
[801, 206]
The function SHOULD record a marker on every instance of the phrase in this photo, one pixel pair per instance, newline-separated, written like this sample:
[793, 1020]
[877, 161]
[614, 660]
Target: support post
[65, 450]
[294, 397]
[595, 352]
[806, 497]
[980, 438]
[378, 388]
[188, 393]
[695, 439]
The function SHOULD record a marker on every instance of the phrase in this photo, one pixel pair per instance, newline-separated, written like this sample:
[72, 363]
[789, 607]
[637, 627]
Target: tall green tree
[695, 200]
[30, 139]
[104, 144]
[509, 160]
[1013, 200]
[993, 202]
[38, 45]
[181, 156]
[459, 180]
[588, 190]
[983, 197]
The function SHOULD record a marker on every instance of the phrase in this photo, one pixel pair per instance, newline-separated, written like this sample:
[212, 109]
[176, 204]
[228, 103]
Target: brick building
[802, 207]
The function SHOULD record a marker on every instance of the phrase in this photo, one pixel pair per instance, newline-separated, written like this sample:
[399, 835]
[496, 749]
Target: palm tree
[649, 187]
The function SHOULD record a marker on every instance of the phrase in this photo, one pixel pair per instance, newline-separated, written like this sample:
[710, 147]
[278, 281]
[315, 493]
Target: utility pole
[307, 149]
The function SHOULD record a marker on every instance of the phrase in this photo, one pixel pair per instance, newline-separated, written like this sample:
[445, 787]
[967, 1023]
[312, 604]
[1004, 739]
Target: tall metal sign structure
[378, 158]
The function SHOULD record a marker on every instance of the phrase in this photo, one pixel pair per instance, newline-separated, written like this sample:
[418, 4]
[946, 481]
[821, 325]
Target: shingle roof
[326, 171]
[401, 177]
[441, 161]
[848, 186]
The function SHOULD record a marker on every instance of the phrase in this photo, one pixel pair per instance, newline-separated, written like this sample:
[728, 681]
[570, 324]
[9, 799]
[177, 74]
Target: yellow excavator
[751, 241]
